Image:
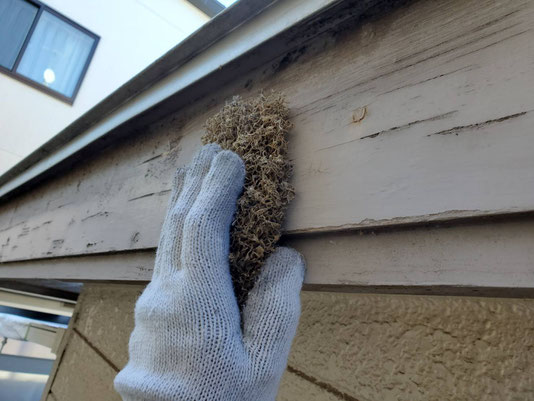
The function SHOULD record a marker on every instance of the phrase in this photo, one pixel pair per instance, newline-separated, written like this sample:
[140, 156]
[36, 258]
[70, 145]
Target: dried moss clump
[256, 130]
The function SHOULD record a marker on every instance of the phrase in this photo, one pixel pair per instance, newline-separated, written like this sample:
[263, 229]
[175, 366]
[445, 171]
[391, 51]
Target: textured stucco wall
[348, 347]
[387, 347]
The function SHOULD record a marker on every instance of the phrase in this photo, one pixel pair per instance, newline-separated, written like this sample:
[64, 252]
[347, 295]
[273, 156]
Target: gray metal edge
[208, 7]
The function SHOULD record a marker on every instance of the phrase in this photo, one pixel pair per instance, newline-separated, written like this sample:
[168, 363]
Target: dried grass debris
[256, 130]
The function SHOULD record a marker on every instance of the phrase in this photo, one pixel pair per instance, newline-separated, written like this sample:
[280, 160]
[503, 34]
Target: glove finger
[272, 311]
[176, 189]
[206, 244]
[177, 184]
[182, 199]
[207, 225]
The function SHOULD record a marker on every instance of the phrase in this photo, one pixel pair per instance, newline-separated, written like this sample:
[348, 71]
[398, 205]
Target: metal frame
[26, 364]
[34, 302]
[209, 7]
[35, 315]
[47, 288]
[13, 71]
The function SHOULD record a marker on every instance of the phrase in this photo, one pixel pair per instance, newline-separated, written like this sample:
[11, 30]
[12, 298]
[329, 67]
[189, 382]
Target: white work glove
[187, 343]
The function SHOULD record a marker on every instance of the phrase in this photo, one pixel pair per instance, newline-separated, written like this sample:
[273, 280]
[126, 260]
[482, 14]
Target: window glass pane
[21, 386]
[56, 54]
[16, 17]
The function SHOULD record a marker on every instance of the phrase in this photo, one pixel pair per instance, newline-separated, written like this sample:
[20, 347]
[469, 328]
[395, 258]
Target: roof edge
[239, 39]
[210, 33]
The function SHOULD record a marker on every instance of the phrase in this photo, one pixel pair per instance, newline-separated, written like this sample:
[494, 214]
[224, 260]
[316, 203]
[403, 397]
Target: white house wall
[133, 34]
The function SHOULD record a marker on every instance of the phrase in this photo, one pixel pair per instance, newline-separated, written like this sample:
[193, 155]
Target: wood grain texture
[444, 91]
[492, 259]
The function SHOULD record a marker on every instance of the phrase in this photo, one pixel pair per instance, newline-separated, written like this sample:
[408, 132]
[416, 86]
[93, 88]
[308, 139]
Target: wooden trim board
[495, 259]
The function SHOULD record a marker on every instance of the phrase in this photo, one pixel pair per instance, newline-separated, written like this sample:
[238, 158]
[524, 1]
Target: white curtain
[58, 46]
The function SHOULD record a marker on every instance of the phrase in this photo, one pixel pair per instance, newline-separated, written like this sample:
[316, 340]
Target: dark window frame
[209, 7]
[13, 71]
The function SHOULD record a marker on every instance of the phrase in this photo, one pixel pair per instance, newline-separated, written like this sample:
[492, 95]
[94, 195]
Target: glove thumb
[272, 311]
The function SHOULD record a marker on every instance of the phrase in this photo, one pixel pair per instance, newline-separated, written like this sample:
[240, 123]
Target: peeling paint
[470, 127]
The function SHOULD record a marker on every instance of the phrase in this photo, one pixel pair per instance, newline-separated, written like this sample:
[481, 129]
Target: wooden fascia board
[455, 260]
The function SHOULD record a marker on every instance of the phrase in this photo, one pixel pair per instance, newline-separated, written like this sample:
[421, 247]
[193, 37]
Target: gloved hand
[187, 343]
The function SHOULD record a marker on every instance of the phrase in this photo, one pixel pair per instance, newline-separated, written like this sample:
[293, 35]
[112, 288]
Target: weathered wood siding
[418, 116]
[493, 258]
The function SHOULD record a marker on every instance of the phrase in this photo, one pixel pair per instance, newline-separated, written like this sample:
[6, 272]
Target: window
[43, 48]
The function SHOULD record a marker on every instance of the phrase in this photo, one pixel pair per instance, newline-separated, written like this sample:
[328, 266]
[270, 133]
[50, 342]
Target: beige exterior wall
[348, 347]
[133, 33]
